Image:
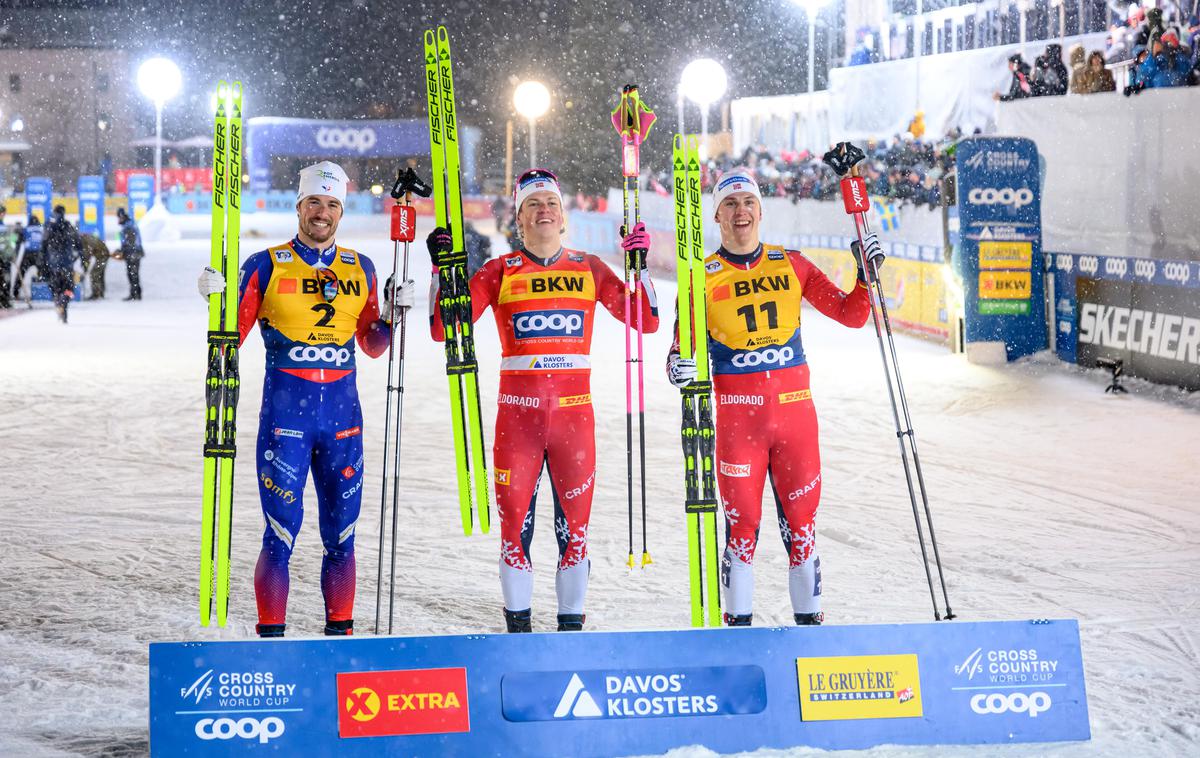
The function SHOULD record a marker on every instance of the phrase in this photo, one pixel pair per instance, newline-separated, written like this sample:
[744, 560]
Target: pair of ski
[222, 382]
[454, 290]
[699, 436]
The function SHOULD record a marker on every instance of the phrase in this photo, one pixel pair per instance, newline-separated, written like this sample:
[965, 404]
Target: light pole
[704, 83]
[811, 8]
[158, 79]
[532, 100]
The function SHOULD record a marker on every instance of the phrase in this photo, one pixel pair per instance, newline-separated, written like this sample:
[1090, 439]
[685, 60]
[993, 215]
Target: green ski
[700, 484]
[454, 293]
[222, 382]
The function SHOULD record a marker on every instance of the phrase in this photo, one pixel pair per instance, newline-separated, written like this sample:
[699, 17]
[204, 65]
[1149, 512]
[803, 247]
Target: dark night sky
[362, 59]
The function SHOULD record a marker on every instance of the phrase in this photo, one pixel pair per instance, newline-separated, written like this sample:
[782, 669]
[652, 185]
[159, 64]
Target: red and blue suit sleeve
[849, 308]
[256, 274]
[610, 292]
[373, 333]
[485, 290]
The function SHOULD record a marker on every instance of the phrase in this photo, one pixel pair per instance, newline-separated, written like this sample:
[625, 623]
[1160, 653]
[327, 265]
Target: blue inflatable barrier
[621, 693]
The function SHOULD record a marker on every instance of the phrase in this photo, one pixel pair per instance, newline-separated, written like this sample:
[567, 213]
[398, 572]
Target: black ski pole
[403, 230]
[844, 159]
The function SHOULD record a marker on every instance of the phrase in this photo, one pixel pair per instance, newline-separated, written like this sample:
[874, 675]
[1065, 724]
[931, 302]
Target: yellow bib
[753, 314]
[293, 305]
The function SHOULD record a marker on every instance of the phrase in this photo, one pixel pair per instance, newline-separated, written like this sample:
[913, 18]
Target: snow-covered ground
[1050, 498]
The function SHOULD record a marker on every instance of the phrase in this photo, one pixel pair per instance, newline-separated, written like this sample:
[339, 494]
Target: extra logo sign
[633, 693]
[859, 687]
[854, 194]
[412, 701]
[404, 223]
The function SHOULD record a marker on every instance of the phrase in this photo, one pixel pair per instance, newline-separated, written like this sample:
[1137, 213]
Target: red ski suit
[766, 423]
[544, 311]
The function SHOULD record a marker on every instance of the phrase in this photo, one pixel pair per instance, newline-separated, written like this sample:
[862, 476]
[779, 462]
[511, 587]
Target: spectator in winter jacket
[1168, 66]
[1020, 86]
[8, 255]
[1050, 74]
[131, 252]
[1100, 79]
[61, 247]
[1081, 73]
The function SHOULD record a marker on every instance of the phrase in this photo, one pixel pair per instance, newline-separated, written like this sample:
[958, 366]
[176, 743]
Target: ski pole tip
[646, 560]
[629, 563]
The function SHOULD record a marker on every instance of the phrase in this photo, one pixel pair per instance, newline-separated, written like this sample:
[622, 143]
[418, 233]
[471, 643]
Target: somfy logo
[1116, 266]
[771, 356]
[313, 354]
[247, 728]
[1144, 268]
[1016, 702]
[535, 324]
[576, 701]
[1017, 198]
[335, 138]
[1177, 272]
[1089, 264]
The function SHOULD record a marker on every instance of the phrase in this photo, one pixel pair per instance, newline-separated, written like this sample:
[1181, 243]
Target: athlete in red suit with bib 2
[544, 297]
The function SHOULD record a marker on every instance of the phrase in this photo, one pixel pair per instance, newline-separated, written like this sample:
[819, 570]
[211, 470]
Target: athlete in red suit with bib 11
[766, 423]
[544, 297]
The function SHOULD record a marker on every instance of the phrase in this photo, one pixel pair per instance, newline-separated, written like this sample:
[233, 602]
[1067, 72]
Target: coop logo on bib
[548, 324]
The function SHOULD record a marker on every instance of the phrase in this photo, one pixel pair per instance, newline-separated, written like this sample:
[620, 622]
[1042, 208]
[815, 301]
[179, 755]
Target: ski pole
[844, 159]
[404, 228]
[632, 120]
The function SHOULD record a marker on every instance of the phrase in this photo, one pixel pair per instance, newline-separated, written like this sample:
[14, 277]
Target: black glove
[874, 254]
[439, 241]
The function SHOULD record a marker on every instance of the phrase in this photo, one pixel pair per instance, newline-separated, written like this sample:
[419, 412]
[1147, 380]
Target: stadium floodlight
[532, 100]
[704, 82]
[159, 79]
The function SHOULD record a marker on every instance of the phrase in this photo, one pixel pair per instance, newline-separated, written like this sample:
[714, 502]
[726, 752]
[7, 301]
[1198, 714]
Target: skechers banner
[621, 693]
[1142, 311]
[640, 693]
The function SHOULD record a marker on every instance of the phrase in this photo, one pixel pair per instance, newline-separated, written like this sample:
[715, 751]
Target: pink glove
[637, 239]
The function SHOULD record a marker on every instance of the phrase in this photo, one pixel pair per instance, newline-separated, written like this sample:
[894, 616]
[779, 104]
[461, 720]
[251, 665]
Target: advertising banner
[1000, 235]
[91, 205]
[140, 188]
[1144, 312]
[621, 693]
[38, 194]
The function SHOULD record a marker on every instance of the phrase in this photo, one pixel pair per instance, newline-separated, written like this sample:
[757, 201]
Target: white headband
[539, 182]
[735, 180]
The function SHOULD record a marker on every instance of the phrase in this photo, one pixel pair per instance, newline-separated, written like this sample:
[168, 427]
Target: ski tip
[429, 38]
[443, 35]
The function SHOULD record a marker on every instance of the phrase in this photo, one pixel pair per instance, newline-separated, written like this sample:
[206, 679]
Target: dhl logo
[794, 397]
[573, 400]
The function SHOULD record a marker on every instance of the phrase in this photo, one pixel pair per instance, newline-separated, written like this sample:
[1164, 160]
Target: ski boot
[809, 619]
[269, 630]
[742, 620]
[339, 628]
[571, 622]
[518, 621]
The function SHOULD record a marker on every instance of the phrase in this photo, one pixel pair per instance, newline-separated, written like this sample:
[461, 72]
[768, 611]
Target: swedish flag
[889, 218]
